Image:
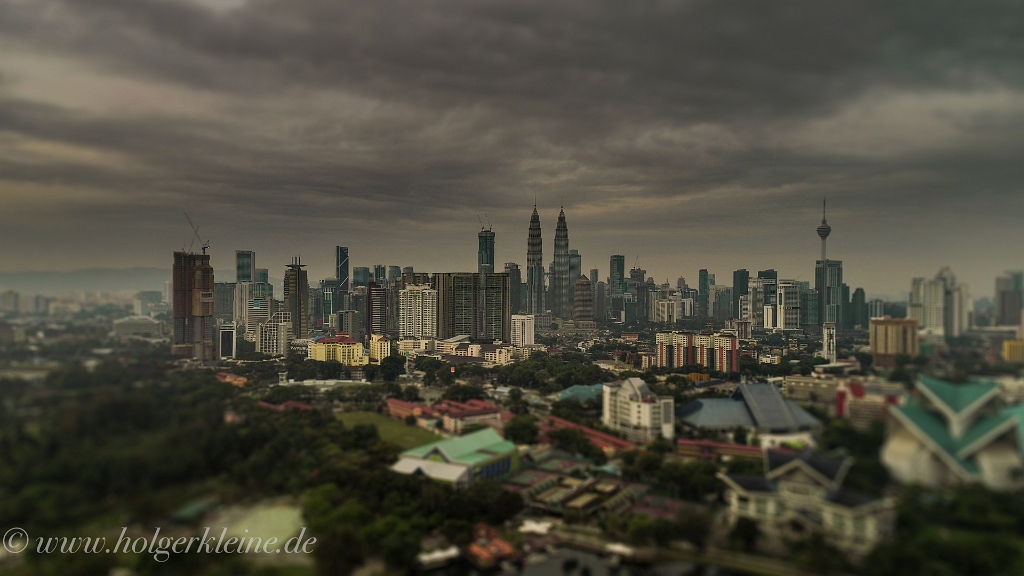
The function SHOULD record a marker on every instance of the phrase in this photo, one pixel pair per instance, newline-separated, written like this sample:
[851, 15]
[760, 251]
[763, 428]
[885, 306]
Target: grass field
[390, 429]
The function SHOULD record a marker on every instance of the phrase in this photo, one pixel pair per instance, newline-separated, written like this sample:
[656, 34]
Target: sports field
[390, 429]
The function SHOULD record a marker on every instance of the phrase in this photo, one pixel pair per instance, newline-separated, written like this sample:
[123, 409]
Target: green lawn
[390, 429]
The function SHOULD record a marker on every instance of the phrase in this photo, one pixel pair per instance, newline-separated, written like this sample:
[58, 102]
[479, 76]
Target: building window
[838, 522]
[761, 506]
[742, 503]
[859, 525]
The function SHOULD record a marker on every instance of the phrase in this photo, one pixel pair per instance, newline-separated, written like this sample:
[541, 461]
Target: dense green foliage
[131, 443]
[549, 374]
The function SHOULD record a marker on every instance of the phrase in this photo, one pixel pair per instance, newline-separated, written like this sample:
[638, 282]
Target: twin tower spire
[558, 297]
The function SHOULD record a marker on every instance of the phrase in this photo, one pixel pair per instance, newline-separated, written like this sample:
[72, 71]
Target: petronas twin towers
[559, 296]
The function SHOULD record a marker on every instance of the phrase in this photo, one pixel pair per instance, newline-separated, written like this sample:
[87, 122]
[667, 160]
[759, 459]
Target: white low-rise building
[801, 493]
[631, 408]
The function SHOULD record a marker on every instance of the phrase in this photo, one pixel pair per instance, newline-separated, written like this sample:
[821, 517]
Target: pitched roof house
[462, 460]
[801, 493]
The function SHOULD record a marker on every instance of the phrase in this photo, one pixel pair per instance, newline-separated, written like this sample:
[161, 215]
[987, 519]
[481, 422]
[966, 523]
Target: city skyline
[697, 135]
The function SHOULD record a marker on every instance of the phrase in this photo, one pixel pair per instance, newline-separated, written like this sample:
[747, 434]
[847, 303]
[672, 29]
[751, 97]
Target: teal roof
[470, 449]
[581, 393]
[956, 396]
[961, 450]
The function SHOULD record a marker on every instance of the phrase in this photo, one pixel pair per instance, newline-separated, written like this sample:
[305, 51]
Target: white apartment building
[272, 336]
[417, 312]
[523, 330]
[631, 408]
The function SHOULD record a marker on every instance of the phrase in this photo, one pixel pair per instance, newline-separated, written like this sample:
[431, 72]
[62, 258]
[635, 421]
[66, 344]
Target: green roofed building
[462, 460]
[955, 433]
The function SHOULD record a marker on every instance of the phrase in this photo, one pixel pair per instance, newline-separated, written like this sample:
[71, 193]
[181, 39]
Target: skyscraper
[859, 309]
[561, 291]
[245, 266]
[515, 286]
[702, 291]
[376, 309]
[485, 251]
[535, 267]
[192, 308]
[740, 284]
[341, 269]
[1009, 298]
[296, 297]
[617, 274]
[467, 305]
[380, 274]
[360, 276]
[575, 271]
[583, 301]
[394, 273]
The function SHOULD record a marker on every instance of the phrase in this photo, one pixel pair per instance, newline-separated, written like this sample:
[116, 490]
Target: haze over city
[692, 134]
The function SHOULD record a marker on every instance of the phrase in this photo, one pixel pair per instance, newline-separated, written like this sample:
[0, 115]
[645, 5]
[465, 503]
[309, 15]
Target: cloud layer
[687, 134]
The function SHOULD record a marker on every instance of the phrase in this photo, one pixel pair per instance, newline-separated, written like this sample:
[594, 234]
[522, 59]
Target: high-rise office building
[583, 301]
[296, 298]
[600, 301]
[617, 274]
[535, 267]
[407, 270]
[380, 274]
[394, 273]
[262, 275]
[575, 271]
[245, 266]
[341, 269]
[360, 276]
[417, 312]
[376, 309]
[703, 279]
[859, 309]
[561, 305]
[223, 302]
[939, 305]
[331, 301]
[740, 285]
[485, 252]
[194, 330]
[515, 286]
[787, 305]
[1009, 298]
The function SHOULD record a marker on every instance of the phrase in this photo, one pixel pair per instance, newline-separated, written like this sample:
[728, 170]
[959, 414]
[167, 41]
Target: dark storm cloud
[706, 124]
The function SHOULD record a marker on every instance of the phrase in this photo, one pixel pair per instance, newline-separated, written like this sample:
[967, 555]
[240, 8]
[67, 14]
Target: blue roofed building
[760, 408]
[956, 433]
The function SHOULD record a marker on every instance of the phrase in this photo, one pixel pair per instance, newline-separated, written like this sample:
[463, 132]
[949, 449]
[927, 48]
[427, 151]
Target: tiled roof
[759, 405]
[956, 396]
[468, 449]
[827, 467]
[851, 498]
[753, 483]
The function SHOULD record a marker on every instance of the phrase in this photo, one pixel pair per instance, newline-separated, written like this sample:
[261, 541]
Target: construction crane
[195, 236]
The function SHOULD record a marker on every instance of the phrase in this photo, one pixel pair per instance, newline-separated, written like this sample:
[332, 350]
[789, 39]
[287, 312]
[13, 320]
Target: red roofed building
[341, 348]
[457, 415]
[400, 409]
[610, 444]
[863, 404]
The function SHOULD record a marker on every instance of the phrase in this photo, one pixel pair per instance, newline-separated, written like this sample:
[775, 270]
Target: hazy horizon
[693, 134]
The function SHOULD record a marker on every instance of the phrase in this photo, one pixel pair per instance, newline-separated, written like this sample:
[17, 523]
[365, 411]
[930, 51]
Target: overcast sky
[688, 134]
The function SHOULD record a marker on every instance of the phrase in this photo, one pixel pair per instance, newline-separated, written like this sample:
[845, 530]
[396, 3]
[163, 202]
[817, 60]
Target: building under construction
[193, 303]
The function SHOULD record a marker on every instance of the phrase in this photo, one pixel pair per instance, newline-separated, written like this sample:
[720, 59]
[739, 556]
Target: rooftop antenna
[196, 236]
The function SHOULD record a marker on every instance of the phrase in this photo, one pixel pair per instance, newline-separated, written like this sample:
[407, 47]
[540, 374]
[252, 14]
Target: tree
[739, 435]
[521, 429]
[338, 552]
[460, 393]
[392, 367]
[410, 420]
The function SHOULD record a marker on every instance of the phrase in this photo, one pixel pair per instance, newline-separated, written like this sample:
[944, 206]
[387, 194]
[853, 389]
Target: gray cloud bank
[692, 134]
